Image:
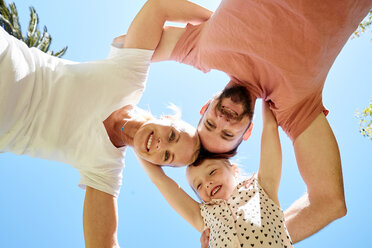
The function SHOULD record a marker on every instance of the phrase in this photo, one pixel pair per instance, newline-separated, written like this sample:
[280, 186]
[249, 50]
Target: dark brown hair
[205, 154]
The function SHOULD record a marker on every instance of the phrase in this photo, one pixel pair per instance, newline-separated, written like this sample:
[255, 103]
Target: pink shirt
[281, 50]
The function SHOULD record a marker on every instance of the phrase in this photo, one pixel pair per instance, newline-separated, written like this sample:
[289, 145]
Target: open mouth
[149, 141]
[215, 190]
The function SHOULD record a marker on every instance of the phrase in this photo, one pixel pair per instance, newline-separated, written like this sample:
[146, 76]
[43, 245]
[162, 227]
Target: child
[238, 214]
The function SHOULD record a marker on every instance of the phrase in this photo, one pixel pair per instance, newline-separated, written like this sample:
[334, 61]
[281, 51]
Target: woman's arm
[146, 29]
[270, 169]
[185, 206]
[100, 219]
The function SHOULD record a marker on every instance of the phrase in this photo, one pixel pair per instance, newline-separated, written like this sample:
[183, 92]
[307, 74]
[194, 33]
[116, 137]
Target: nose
[222, 120]
[209, 184]
[158, 144]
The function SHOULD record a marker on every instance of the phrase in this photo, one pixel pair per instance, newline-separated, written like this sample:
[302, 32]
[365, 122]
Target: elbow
[336, 208]
[332, 206]
[340, 209]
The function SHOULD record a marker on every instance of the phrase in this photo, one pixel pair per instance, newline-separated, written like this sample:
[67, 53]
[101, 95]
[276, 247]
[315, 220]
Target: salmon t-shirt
[281, 50]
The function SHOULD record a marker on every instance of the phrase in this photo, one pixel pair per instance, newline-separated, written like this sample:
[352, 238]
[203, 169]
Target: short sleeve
[204, 214]
[189, 47]
[109, 184]
[133, 54]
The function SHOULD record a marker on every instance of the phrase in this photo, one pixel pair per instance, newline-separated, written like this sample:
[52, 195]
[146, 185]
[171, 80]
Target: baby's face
[212, 179]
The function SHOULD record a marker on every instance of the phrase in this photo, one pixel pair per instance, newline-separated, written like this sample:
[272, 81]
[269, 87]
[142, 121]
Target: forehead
[213, 142]
[193, 171]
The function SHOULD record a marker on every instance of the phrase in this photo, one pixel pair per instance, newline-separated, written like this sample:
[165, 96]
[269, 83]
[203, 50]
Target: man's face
[225, 121]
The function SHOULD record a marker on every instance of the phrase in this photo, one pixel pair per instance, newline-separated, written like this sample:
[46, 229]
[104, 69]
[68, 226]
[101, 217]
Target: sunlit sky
[41, 205]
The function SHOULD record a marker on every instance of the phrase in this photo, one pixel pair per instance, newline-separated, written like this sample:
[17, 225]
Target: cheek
[154, 158]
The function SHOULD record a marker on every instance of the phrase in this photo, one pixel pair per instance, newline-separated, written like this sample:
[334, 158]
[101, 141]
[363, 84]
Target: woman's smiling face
[212, 179]
[167, 142]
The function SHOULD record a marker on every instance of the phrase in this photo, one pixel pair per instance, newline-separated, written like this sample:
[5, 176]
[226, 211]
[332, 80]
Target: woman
[73, 112]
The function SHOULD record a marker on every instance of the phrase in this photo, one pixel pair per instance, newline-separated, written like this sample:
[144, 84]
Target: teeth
[149, 142]
[229, 110]
[216, 190]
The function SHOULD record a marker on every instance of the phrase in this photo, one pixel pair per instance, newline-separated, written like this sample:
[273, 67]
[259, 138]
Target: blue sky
[41, 205]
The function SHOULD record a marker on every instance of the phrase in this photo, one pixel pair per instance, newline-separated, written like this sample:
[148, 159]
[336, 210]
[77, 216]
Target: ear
[235, 169]
[204, 108]
[248, 133]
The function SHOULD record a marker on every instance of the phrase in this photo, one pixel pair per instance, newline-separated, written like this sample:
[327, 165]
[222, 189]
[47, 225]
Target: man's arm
[146, 29]
[319, 163]
[100, 219]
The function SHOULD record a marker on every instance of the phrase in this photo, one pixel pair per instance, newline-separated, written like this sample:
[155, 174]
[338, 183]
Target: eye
[212, 172]
[228, 134]
[166, 156]
[210, 124]
[172, 136]
[198, 187]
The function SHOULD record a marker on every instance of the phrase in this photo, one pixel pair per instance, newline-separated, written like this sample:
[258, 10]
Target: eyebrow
[207, 127]
[221, 135]
[225, 137]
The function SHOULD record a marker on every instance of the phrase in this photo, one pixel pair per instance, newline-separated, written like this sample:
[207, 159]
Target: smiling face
[212, 179]
[167, 142]
[226, 120]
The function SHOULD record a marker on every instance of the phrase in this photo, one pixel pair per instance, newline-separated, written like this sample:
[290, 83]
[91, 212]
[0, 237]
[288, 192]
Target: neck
[121, 127]
[127, 129]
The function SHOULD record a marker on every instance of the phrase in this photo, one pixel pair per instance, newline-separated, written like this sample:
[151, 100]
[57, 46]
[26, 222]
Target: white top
[249, 218]
[53, 108]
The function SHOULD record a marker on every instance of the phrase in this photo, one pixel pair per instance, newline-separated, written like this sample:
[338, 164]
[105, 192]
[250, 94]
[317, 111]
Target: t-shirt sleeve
[104, 182]
[297, 118]
[204, 213]
[136, 55]
[188, 49]
[106, 85]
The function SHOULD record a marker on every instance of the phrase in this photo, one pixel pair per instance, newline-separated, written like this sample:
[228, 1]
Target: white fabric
[53, 108]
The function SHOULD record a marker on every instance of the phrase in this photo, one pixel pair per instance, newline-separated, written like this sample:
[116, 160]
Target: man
[280, 51]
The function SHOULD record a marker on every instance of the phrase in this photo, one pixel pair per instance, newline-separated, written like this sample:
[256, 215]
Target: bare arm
[319, 163]
[100, 219]
[185, 206]
[146, 29]
[270, 169]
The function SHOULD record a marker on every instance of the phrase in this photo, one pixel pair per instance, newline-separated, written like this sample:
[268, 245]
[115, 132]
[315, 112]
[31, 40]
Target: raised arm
[146, 29]
[270, 169]
[179, 200]
[100, 219]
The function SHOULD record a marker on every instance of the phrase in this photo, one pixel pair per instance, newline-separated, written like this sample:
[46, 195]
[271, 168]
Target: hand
[204, 239]
[119, 41]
